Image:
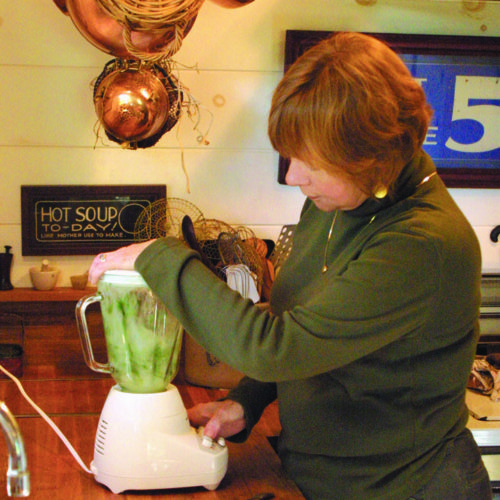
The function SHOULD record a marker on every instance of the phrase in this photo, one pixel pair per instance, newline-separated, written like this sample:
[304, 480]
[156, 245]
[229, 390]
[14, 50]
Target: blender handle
[83, 330]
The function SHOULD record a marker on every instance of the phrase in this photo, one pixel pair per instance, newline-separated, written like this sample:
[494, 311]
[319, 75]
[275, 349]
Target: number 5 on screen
[477, 98]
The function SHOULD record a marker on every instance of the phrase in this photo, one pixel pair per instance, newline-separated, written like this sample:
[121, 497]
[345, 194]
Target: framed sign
[461, 78]
[82, 220]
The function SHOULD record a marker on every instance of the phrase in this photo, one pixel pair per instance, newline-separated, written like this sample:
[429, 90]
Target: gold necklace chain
[325, 265]
[425, 179]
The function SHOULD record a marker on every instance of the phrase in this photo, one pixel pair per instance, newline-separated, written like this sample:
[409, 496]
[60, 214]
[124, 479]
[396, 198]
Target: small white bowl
[44, 280]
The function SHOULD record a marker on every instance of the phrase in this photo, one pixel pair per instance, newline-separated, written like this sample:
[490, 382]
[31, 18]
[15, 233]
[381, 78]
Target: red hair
[349, 105]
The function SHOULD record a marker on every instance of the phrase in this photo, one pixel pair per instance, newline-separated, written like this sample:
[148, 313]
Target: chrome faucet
[18, 477]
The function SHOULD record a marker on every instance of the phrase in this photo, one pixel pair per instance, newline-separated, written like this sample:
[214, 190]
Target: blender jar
[143, 338]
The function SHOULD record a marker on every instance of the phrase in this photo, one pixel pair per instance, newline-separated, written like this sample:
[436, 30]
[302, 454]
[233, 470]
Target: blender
[144, 439]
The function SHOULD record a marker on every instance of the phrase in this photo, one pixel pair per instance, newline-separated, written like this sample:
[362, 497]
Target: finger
[213, 428]
[99, 265]
[196, 416]
[94, 272]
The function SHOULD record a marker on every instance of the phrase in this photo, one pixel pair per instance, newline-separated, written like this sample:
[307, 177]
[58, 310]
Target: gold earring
[381, 192]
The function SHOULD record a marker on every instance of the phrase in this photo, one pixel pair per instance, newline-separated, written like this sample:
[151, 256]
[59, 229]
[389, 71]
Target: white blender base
[144, 441]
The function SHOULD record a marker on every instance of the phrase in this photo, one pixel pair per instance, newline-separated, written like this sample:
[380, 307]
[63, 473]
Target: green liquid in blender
[143, 339]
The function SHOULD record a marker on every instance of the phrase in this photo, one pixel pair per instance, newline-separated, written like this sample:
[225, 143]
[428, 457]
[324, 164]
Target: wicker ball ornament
[143, 29]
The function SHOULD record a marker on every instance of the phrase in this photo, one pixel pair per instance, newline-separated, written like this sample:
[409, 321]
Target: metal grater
[283, 246]
[490, 291]
[489, 318]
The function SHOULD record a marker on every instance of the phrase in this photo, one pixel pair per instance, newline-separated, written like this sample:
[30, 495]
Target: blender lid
[119, 276]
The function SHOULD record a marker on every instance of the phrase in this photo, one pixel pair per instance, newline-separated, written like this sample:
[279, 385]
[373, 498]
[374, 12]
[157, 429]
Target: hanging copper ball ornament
[105, 33]
[62, 6]
[231, 4]
[100, 29]
[131, 104]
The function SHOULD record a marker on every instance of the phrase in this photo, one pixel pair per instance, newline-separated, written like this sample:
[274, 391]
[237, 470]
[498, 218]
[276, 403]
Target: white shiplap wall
[47, 118]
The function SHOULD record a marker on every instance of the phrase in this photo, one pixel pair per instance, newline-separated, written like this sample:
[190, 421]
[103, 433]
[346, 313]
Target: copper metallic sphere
[62, 6]
[231, 4]
[105, 33]
[132, 105]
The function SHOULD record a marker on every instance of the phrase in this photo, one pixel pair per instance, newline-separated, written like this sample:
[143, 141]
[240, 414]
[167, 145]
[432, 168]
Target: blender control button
[207, 442]
[221, 442]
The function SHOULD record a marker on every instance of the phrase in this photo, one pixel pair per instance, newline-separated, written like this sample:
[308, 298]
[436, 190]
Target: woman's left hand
[220, 418]
[123, 258]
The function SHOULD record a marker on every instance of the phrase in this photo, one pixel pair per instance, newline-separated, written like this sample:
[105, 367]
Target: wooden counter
[74, 407]
[56, 378]
[34, 305]
[58, 294]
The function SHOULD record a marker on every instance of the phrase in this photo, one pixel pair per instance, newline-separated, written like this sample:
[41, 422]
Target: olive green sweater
[370, 359]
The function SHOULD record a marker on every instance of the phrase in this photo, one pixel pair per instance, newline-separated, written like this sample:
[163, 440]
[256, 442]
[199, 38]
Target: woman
[373, 319]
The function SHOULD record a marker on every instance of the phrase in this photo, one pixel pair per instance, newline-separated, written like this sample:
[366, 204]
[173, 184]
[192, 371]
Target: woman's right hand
[124, 259]
[220, 418]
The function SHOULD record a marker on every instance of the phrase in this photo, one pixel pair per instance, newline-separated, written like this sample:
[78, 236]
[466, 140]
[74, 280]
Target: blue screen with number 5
[465, 96]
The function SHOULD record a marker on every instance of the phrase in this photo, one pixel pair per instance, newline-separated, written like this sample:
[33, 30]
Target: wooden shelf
[58, 294]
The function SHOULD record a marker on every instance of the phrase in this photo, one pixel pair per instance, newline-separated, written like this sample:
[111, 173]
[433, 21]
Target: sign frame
[82, 219]
[298, 41]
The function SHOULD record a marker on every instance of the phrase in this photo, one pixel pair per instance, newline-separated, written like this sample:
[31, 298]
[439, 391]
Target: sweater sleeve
[388, 291]
[254, 397]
